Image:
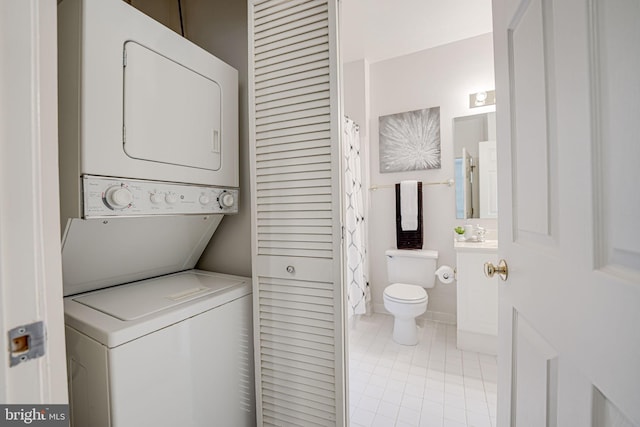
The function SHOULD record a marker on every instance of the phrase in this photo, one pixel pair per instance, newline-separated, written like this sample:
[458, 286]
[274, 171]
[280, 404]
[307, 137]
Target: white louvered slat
[291, 169]
[284, 325]
[287, 161]
[288, 37]
[292, 123]
[297, 113]
[284, 177]
[295, 230]
[292, 158]
[281, 418]
[280, 244]
[291, 16]
[296, 316]
[295, 132]
[320, 183]
[302, 211]
[293, 71]
[299, 373]
[266, 7]
[292, 50]
[276, 212]
[293, 356]
[298, 392]
[302, 369]
[311, 222]
[290, 53]
[298, 403]
[295, 237]
[310, 140]
[293, 380]
[288, 97]
[311, 60]
[318, 194]
[294, 103]
[298, 35]
[282, 10]
[301, 22]
[296, 200]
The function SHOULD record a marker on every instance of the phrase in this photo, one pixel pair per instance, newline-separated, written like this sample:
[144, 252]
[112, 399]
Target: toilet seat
[405, 294]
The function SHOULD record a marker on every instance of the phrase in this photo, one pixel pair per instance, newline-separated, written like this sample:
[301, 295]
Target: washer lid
[403, 292]
[139, 299]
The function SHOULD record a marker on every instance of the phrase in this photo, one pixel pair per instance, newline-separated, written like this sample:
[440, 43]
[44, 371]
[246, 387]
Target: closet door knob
[290, 269]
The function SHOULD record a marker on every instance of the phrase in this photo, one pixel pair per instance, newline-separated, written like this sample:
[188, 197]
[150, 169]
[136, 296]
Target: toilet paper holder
[446, 274]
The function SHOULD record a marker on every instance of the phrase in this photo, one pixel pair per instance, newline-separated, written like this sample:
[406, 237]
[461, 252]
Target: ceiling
[383, 29]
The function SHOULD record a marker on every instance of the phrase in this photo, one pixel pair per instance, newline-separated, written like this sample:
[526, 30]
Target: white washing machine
[148, 131]
[163, 352]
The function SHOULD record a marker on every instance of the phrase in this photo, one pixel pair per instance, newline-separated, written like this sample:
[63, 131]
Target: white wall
[220, 27]
[355, 86]
[443, 76]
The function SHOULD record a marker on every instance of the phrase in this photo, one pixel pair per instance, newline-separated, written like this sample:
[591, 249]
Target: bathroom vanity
[477, 296]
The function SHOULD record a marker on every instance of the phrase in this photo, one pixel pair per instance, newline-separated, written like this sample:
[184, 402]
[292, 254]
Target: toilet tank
[412, 267]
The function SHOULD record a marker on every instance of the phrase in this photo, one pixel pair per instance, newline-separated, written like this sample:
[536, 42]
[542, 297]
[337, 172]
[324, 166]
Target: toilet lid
[405, 293]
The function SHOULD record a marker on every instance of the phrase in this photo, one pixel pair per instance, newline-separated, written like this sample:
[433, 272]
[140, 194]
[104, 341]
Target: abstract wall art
[410, 141]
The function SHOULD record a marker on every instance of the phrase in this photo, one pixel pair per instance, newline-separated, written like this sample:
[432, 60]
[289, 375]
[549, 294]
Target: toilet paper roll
[445, 274]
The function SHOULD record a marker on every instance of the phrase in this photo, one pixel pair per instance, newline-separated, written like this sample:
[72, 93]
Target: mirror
[474, 148]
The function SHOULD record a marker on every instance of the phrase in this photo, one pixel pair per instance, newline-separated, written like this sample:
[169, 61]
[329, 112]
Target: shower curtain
[357, 286]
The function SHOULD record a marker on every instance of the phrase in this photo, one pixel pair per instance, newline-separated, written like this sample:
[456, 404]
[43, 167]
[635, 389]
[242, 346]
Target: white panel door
[295, 130]
[568, 145]
[30, 269]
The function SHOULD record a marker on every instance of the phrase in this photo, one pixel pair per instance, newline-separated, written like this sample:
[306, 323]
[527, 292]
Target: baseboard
[434, 316]
[480, 343]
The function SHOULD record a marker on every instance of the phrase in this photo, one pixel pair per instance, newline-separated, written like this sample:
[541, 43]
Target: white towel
[409, 205]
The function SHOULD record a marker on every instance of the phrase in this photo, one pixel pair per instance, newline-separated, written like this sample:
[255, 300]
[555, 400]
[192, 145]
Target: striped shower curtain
[357, 286]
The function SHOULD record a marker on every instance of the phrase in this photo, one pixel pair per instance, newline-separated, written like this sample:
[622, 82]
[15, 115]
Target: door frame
[30, 260]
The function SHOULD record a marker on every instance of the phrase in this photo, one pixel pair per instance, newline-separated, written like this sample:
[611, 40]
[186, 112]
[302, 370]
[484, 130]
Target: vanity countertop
[486, 246]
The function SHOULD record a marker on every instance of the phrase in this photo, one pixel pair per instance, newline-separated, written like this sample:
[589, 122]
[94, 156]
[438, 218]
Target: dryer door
[172, 114]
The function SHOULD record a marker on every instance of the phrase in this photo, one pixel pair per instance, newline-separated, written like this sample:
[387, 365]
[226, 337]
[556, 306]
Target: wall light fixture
[481, 99]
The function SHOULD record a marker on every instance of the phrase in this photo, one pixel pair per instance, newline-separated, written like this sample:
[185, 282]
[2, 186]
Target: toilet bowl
[409, 272]
[405, 302]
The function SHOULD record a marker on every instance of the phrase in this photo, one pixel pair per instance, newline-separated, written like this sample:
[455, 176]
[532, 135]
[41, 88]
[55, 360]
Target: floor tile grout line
[435, 339]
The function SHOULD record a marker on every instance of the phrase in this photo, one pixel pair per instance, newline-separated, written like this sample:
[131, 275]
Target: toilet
[409, 272]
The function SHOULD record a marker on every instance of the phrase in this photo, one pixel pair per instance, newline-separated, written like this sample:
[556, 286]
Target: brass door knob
[501, 269]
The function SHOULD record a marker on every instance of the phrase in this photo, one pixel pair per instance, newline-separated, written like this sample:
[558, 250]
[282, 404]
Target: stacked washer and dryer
[148, 169]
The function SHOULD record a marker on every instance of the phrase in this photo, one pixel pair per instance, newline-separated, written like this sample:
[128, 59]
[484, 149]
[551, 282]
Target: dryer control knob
[156, 198]
[226, 200]
[204, 200]
[118, 197]
[172, 199]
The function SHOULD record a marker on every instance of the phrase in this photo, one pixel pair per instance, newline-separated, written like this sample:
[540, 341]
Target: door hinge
[342, 232]
[26, 342]
[124, 58]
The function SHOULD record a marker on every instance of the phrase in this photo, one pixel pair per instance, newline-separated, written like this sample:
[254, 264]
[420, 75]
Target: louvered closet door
[295, 123]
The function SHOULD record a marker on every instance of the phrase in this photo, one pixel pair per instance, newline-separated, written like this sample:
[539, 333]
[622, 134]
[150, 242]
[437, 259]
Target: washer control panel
[128, 197]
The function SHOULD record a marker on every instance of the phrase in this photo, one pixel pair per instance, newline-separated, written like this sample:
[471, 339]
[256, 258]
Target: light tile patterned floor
[432, 384]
